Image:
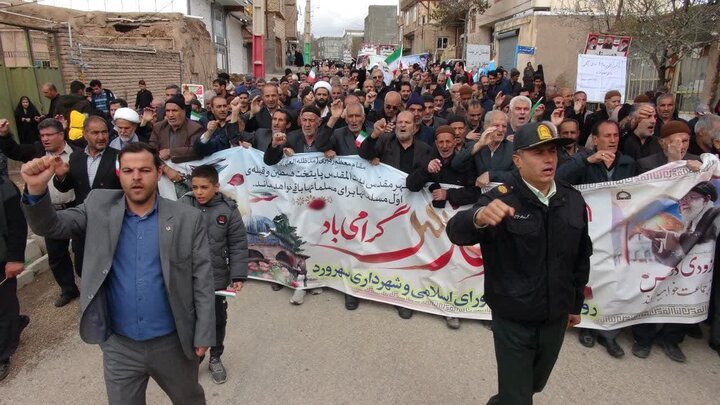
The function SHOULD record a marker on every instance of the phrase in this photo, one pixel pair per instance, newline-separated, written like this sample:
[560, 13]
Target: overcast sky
[330, 18]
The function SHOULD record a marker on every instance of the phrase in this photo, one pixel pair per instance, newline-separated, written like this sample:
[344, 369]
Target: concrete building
[352, 40]
[381, 25]
[291, 32]
[420, 34]
[330, 48]
[557, 38]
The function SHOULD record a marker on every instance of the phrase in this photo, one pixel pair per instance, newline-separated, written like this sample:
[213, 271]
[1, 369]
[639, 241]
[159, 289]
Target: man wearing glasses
[52, 143]
[391, 107]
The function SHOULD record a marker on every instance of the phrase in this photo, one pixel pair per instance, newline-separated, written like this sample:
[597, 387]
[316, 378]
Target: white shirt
[56, 196]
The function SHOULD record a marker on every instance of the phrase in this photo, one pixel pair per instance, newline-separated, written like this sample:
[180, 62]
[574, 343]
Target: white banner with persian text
[354, 227]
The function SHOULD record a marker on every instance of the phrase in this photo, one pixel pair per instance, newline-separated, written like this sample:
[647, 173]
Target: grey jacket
[184, 256]
[227, 237]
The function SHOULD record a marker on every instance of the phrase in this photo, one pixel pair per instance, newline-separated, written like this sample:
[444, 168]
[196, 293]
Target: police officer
[535, 243]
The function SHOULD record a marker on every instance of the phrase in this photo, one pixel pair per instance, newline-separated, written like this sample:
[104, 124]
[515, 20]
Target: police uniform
[536, 266]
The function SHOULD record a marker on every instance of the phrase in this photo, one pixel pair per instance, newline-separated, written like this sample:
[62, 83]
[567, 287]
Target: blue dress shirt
[137, 301]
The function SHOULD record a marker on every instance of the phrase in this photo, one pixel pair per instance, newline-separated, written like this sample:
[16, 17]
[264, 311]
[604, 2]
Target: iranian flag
[393, 60]
[312, 76]
[360, 138]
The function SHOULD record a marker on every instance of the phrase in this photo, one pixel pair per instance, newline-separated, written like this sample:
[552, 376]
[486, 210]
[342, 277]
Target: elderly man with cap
[417, 107]
[439, 171]
[674, 141]
[491, 157]
[302, 140]
[175, 136]
[126, 123]
[700, 221]
[534, 236]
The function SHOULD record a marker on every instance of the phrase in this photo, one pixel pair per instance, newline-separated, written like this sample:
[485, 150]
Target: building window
[442, 42]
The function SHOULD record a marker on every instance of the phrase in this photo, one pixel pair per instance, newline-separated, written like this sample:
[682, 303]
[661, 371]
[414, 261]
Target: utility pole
[306, 39]
[258, 44]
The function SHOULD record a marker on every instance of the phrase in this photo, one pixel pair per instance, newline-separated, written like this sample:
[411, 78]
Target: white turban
[322, 85]
[127, 114]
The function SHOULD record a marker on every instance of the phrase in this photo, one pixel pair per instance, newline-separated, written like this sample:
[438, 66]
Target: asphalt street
[319, 353]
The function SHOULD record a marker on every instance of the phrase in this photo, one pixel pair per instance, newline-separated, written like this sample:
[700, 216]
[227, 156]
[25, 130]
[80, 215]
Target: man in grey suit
[147, 291]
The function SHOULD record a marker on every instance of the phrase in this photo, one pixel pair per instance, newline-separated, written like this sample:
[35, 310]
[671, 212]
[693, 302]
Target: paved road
[319, 353]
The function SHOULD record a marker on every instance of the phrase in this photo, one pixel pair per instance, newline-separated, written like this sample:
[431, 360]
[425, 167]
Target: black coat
[500, 164]
[659, 159]
[387, 148]
[77, 178]
[341, 140]
[578, 170]
[467, 193]
[538, 261]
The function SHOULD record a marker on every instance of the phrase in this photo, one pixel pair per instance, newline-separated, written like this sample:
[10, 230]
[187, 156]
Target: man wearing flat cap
[675, 141]
[534, 237]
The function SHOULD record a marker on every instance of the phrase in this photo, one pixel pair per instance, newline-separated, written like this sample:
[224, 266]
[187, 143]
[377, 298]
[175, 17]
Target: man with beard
[440, 171]
[126, 123]
[640, 142]
[490, 158]
[519, 114]
[700, 224]
[535, 243]
[220, 88]
[322, 91]
[429, 119]
[220, 133]
[261, 111]
[400, 150]
[674, 141]
[570, 129]
[147, 289]
[405, 89]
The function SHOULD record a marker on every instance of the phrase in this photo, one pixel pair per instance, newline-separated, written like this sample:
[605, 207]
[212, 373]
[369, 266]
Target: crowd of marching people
[439, 125]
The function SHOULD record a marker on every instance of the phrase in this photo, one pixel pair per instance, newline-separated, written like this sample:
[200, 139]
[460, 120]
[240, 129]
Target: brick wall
[120, 71]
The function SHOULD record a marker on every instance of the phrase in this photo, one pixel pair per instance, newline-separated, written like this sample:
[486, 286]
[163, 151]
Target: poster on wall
[607, 45]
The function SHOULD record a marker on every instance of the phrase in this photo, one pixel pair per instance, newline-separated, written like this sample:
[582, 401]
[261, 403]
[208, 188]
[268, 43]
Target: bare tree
[455, 12]
[665, 31]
